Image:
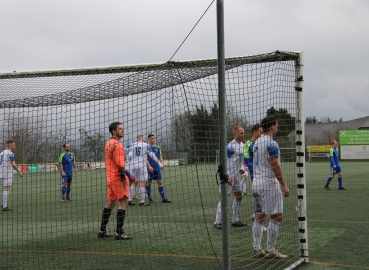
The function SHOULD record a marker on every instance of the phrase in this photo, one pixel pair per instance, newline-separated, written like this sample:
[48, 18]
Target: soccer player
[140, 151]
[155, 171]
[117, 183]
[335, 167]
[268, 198]
[248, 154]
[234, 163]
[66, 163]
[7, 164]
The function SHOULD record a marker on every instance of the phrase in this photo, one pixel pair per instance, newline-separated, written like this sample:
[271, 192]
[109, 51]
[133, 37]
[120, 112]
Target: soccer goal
[178, 103]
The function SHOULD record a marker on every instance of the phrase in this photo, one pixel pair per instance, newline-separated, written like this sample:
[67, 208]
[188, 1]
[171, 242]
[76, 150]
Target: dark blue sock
[162, 193]
[68, 191]
[328, 181]
[339, 182]
[148, 190]
[63, 190]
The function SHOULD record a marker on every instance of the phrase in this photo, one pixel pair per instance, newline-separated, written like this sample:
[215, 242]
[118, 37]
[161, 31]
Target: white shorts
[140, 174]
[7, 181]
[268, 202]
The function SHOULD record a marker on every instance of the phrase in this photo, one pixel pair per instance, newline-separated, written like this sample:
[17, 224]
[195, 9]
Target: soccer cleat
[217, 226]
[63, 199]
[68, 198]
[151, 200]
[327, 188]
[122, 236]
[105, 234]
[135, 197]
[259, 254]
[131, 203]
[238, 224]
[166, 201]
[144, 204]
[275, 255]
[7, 209]
[341, 188]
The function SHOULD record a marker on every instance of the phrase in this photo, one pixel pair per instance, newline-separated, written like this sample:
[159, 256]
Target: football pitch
[44, 233]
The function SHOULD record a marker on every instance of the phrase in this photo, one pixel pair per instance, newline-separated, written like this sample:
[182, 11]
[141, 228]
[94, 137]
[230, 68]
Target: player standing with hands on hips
[66, 163]
[268, 198]
[7, 164]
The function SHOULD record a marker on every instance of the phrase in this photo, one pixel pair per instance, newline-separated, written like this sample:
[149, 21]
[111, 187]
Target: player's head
[66, 147]
[151, 139]
[238, 133]
[256, 131]
[270, 125]
[334, 143]
[139, 138]
[116, 129]
[10, 144]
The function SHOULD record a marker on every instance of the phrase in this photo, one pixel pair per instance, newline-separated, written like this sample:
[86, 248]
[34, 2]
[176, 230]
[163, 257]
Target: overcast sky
[333, 34]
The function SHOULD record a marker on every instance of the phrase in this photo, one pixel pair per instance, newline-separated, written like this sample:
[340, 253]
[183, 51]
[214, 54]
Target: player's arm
[161, 159]
[74, 164]
[152, 155]
[15, 167]
[61, 164]
[151, 169]
[277, 171]
[331, 152]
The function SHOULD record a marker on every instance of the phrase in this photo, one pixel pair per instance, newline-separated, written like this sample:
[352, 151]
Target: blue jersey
[157, 152]
[248, 155]
[67, 161]
[334, 157]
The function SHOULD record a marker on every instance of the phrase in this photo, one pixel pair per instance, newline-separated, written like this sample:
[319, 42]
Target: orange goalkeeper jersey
[114, 158]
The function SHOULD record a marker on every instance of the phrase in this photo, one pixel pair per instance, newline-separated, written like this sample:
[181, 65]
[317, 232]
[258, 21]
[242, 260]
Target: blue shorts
[155, 175]
[66, 179]
[336, 170]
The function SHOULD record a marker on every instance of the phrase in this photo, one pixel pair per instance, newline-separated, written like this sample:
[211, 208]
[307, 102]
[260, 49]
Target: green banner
[350, 137]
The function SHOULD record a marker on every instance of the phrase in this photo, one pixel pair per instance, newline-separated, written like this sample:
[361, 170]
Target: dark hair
[113, 126]
[268, 122]
[9, 142]
[255, 128]
[65, 145]
[150, 135]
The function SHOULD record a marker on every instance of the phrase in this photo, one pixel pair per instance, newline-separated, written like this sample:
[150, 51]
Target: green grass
[44, 233]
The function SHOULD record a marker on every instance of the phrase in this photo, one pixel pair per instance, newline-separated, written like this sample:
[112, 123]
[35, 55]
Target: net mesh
[178, 103]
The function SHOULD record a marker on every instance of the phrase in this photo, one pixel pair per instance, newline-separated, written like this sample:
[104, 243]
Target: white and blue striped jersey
[6, 168]
[234, 159]
[140, 151]
[264, 148]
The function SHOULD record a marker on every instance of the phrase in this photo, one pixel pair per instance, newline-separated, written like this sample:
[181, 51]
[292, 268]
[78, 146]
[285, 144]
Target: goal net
[178, 103]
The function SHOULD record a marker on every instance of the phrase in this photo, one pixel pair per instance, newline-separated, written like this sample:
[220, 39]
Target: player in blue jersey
[7, 165]
[249, 148]
[235, 168]
[266, 189]
[335, 167]
[66, 164]
[155, 171]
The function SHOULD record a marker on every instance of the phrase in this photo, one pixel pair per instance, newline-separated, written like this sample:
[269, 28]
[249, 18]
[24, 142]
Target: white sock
[244, 186]
[132, 193]
[272, 230]
[218, 216]
[142, 194]
[5, 197]
[257, 233]
[236, 209]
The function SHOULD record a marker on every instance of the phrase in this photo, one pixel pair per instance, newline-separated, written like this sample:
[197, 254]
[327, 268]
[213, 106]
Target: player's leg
[159, 180]
[142, 179]
[7, 185]
[133, 186]
[330, 179]
[148, 186]
[237, 191]
[103, 233]
[69, 183]
[274, 208]
[257, 226]
[64, 188]
[340, 187]
[122, 193]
